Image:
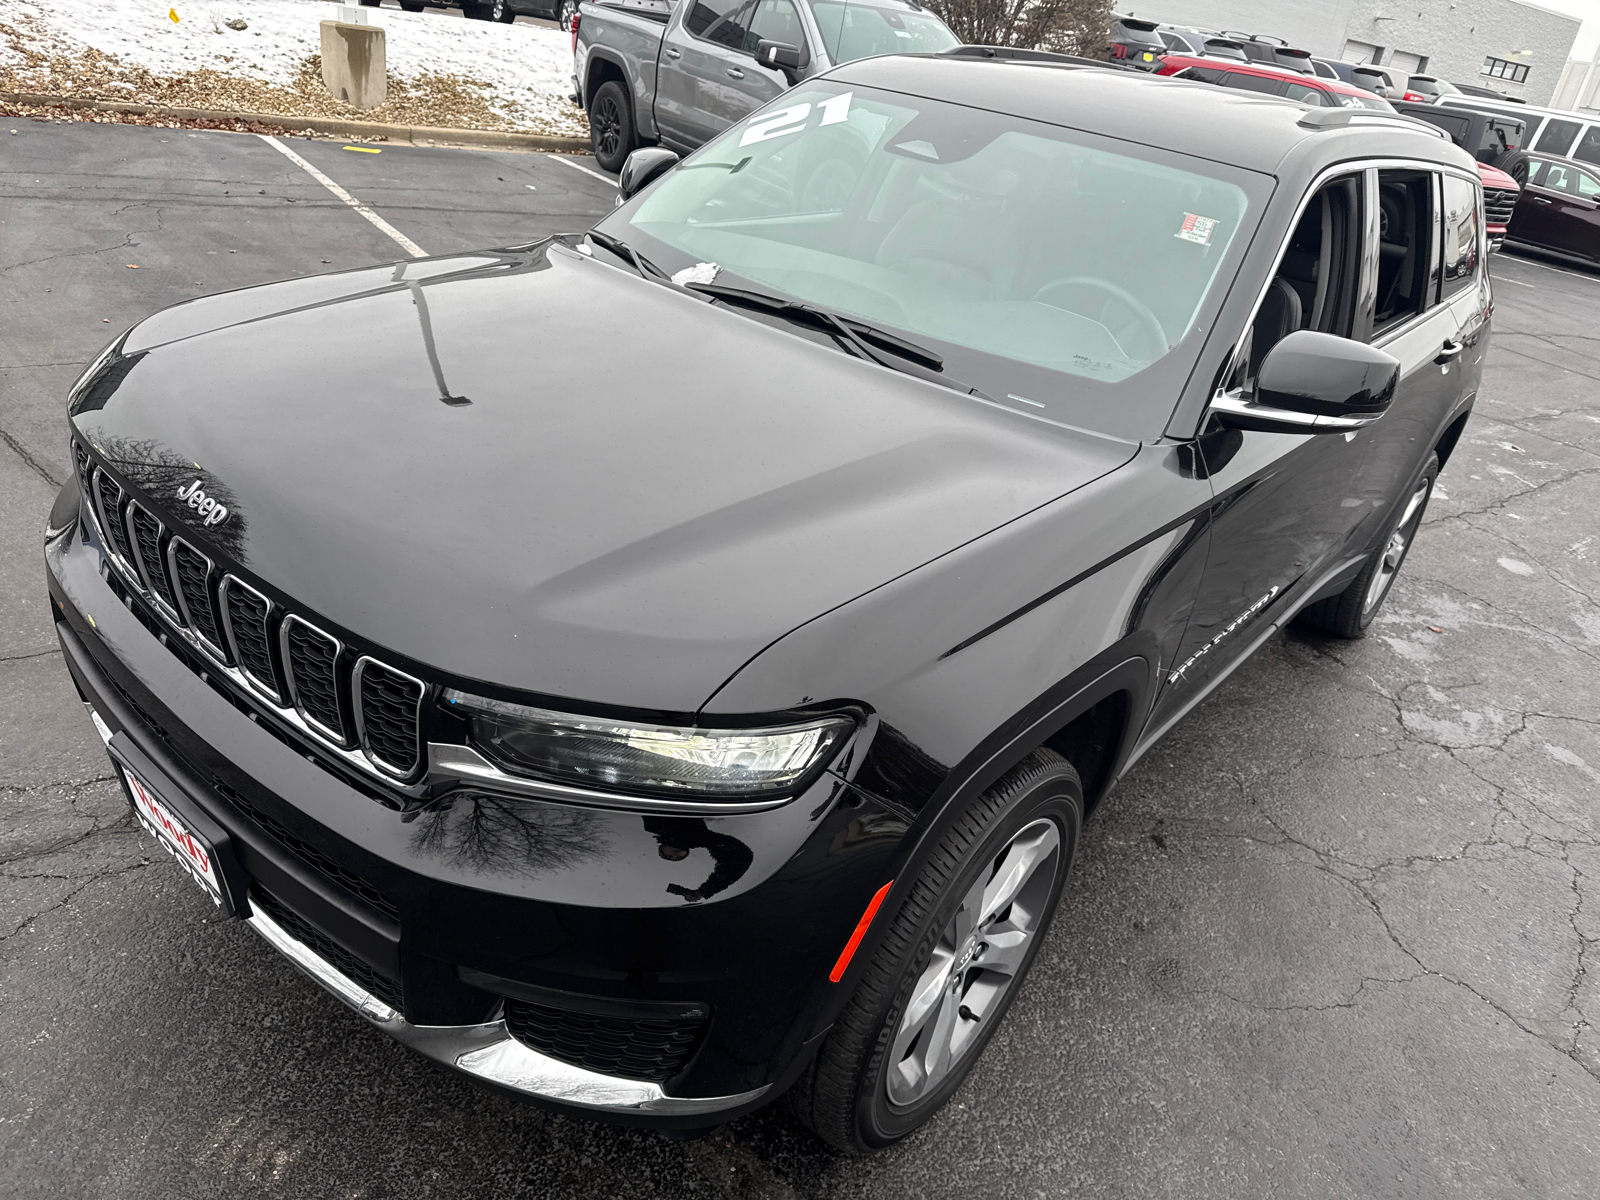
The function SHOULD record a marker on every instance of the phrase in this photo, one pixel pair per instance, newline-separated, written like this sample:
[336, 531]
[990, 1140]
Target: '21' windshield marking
[793, 119]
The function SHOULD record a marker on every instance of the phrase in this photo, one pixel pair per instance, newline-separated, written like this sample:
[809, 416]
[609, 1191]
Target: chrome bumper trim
[489, 1052]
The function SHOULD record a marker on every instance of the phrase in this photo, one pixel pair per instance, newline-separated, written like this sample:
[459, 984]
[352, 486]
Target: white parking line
[405, 243]
[1547, 267]
[577, 166]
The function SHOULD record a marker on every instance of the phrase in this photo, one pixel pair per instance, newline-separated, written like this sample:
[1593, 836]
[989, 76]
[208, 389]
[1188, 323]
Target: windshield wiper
[865, 341]
[627, 253]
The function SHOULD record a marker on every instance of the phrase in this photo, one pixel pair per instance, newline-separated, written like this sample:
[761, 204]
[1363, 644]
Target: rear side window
[1461, 230]
[1201, 74]
[1588, 147]
[1254, 83]
[1405, 246]
[1557, 136]
[1306, 95]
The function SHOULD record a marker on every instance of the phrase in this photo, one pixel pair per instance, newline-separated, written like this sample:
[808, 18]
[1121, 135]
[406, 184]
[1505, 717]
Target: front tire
[500, 11]
[1349, 614]
[611, 126]
[950, 963]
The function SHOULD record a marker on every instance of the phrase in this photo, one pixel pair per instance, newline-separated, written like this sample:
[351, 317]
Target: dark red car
[1559, 208]
[1271, 81]
[1499, 189]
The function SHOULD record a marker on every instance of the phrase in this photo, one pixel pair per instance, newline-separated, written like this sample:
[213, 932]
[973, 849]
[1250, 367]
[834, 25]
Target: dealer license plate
[192, 852]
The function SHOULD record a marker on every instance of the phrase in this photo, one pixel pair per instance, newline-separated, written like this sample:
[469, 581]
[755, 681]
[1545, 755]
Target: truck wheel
[500, 10]
[611, 126]
[1348, 614]
[565, 11]
[949, 964]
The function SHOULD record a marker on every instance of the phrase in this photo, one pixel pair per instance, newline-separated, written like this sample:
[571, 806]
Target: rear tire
[565, 11]
[611, 126]
[1348, 614]
[474, 12]
[500, 11]
[950, 962]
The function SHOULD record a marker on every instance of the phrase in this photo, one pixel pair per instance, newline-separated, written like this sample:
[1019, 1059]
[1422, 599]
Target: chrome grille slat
[1498, 204]
[146, 533]
[246, 616]
[191, 574]
[388, 707]
[311, 667]
[108, 497]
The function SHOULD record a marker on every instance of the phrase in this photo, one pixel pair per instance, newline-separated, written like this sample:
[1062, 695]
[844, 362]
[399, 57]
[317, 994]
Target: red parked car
[1499, 189]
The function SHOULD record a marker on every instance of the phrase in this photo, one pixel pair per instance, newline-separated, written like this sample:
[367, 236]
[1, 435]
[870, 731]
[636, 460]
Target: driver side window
[1314, 285]
[776, 21]
[718, 21]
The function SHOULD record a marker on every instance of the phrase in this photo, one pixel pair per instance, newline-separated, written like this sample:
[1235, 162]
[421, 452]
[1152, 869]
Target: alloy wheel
[1394, 550]
[607, 122]
[977, 959]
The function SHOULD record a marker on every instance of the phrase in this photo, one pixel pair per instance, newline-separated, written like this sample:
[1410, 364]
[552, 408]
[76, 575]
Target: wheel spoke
[1004, 951]
[1021, 859]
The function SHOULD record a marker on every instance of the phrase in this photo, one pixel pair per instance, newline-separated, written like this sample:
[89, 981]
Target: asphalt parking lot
[1330, 939]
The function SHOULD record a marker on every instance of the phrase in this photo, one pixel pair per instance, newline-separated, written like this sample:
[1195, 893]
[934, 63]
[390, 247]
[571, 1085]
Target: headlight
[613, 755]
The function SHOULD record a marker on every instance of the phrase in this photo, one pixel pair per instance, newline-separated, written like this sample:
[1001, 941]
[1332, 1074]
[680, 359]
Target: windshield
[854, 30]
[1046, 266]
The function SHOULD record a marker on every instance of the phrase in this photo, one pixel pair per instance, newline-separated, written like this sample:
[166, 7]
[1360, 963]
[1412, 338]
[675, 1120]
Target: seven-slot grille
[1497, 205]
[282, 657]
[387, 704]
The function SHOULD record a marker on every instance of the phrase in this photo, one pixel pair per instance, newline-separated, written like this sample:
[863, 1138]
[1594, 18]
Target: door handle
[735, 73]
[1540, 200]
[673, 52]
[1449, 350]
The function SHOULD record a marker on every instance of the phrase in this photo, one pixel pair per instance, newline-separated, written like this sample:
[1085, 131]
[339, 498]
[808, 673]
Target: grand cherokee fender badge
[209, 509]
[1229, 628]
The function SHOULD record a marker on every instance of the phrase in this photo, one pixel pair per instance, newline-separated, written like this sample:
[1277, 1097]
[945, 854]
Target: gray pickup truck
[679, 73]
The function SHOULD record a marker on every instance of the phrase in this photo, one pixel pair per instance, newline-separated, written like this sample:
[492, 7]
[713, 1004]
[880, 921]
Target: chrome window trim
[336, 736]
[151, 590]
[389, 769]
[269, 690]
[219, 654]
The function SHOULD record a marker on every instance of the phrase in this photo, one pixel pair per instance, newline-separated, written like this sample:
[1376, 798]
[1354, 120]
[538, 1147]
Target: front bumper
[756, 958]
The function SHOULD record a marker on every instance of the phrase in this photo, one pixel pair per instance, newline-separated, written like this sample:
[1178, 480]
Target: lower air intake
[622, 1047]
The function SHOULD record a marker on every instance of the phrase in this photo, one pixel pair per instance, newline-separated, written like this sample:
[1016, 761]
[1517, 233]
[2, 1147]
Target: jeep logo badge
[214, 513]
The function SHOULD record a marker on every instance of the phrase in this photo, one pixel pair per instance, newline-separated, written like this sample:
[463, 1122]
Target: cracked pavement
[1333, 937]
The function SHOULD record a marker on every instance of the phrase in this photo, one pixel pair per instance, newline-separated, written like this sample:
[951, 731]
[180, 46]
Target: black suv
[706, 706]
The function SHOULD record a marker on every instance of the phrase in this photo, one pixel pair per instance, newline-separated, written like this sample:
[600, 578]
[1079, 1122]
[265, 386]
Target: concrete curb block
[416, 135]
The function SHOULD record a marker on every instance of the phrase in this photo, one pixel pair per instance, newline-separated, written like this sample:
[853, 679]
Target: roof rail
[1338, 118]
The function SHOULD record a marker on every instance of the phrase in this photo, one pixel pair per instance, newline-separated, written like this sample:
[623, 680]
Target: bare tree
[1071, 26]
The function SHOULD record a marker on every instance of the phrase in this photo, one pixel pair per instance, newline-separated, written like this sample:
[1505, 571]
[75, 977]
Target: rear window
[853, 30]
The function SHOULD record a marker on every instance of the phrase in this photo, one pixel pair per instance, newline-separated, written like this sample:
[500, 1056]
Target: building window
[1499, 68]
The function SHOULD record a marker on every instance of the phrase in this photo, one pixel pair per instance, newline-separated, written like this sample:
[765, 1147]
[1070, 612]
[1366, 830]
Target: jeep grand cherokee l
[706, 710]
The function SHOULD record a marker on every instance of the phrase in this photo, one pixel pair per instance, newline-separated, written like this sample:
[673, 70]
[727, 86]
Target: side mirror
[778, 56]
[1315, 383]
[642, 168]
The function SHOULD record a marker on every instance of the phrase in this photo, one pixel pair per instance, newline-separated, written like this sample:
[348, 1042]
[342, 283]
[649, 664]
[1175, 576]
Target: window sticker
[1197, 229]
[784, 121]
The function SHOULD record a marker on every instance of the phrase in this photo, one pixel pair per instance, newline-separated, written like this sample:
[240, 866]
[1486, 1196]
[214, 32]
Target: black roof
[1242, 128]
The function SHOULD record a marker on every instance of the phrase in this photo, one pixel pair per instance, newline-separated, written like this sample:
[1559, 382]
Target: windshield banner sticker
[1197, 229]
[793, 119]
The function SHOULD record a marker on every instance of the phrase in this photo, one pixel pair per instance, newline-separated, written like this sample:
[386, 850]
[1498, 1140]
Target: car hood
[537, 470]
[1494, 177]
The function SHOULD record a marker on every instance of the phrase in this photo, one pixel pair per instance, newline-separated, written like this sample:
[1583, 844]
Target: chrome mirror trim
[1236, 405]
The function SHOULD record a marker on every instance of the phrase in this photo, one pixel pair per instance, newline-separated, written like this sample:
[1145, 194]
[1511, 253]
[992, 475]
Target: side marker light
[861, 931]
